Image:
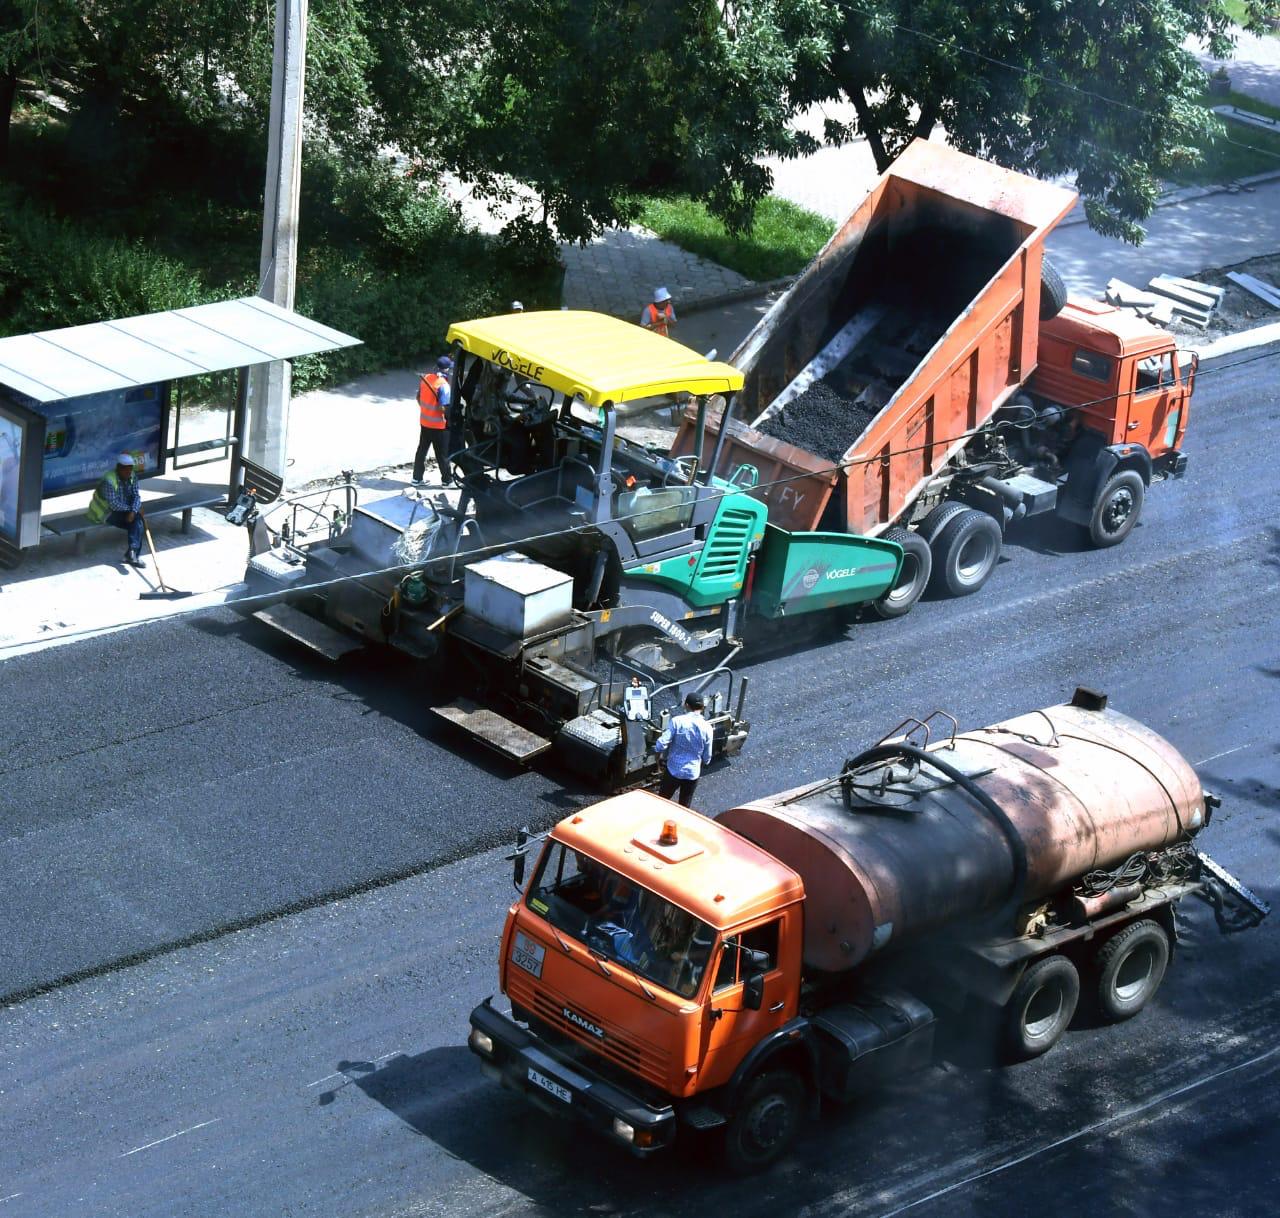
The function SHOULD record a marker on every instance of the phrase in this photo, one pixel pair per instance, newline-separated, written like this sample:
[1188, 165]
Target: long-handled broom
[164, 592]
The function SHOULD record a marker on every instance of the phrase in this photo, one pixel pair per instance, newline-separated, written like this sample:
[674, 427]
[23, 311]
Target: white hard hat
[125, 459]
[660, 294]
[517, 306]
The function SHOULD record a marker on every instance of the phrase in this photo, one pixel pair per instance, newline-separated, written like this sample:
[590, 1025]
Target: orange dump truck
[668, 972]
[927, 382]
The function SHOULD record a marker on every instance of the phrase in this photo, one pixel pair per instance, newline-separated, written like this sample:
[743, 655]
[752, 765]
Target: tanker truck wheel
[1117, 508]
[1042, 1005]
[917, 565]
[765, 1122]
[1131, 966]
[965, 552]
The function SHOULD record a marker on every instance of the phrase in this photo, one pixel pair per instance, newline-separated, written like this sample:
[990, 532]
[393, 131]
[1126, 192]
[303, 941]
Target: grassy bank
[1234, 150]
[782, 241]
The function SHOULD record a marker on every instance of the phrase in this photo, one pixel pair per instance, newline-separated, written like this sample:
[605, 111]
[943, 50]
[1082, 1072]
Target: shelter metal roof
[129, 351]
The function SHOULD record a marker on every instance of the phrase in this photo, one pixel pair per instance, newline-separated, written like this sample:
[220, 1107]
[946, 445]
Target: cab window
[1155, 372]
[646, 512]
[753, 951]
[1093, 365]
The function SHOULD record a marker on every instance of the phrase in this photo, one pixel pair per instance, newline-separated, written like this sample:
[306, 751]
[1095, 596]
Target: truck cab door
[730, 1029]
[1155, 404]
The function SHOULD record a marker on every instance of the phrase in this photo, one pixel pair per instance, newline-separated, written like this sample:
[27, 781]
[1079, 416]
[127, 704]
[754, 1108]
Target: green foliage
[1106, 92]
[55, 274]
[589, 102]
[781, 241]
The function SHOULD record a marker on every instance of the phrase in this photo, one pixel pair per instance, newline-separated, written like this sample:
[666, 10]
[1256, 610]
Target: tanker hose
[886, 752]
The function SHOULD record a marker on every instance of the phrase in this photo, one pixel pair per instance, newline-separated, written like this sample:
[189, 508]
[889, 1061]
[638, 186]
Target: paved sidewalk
[1254, 68]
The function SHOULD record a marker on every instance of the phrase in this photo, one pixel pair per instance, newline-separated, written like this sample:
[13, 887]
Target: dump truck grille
[723, 556]
[635, 1057]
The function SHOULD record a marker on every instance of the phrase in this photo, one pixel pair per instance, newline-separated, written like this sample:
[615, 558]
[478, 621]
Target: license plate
[541, 1080]
[527, 954]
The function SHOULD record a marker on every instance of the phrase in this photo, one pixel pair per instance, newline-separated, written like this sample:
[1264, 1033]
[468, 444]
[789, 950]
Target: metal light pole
[268, 397]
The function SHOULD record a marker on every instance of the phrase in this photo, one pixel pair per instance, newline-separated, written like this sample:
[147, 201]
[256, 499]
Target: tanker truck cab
[653, 968]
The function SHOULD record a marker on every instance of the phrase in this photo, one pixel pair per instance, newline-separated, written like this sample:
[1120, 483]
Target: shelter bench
[79, 526]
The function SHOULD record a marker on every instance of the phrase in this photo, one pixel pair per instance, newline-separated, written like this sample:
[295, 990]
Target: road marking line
[1088, 1129]
[340, 1074]
[1238, 749]
[170, 1138]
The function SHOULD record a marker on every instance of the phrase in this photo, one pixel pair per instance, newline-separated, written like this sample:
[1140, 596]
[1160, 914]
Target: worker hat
[444, 364]
[660, 294]
[517, 306]
[125, 459]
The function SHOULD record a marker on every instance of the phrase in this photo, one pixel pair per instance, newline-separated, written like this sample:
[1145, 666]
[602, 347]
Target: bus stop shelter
[72, 399]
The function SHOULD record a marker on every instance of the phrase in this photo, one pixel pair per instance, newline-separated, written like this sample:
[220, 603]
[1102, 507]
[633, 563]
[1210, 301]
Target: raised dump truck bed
[912, 327]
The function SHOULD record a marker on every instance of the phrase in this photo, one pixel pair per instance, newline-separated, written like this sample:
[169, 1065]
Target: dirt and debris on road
[1239, 310]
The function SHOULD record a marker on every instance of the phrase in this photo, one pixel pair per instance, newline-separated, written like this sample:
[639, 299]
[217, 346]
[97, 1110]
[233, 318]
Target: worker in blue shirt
[685, 747]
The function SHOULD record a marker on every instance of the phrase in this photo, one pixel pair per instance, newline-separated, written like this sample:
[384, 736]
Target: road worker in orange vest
[433, 407]
[658, 315]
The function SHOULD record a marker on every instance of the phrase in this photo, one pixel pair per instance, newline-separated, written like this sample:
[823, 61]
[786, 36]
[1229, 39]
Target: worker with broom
[117, 501]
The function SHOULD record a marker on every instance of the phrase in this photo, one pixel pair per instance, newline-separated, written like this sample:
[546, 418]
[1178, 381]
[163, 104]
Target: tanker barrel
[1006, 815]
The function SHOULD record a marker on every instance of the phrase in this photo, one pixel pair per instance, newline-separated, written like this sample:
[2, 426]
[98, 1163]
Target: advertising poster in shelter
[21, 439]
[84, 435]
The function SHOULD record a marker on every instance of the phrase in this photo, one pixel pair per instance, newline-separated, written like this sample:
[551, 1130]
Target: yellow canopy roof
[600, 357]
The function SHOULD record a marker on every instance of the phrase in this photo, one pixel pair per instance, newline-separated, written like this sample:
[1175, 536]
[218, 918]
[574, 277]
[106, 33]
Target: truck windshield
[620, 921]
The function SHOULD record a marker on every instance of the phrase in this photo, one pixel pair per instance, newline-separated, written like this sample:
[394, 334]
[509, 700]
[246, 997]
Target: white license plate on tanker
[541, 1080]
[527, 954]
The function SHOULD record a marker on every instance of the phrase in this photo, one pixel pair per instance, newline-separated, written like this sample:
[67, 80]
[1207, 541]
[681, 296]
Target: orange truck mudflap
[523, 1062]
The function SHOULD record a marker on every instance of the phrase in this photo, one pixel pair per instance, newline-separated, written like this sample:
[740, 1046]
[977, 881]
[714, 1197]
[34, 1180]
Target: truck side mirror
[753, 992]
[522, 838]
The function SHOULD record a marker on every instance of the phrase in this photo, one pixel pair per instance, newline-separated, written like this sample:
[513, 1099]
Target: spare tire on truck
[1053, 292]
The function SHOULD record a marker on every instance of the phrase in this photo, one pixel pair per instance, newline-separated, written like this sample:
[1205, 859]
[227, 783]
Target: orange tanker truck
[668, 972]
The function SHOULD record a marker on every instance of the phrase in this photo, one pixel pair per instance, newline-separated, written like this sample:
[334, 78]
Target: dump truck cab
[654, 958]
[1125, 377]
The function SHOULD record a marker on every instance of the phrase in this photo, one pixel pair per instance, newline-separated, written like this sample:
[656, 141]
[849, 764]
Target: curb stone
[1186, 194]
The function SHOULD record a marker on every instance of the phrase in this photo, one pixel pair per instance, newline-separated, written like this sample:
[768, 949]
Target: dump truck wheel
[1053, 292]
[917, 566]
[1131, 965]
[1042, 1005]
[765, 1122]
[1117, 508]
[947, 510]
[965, 552]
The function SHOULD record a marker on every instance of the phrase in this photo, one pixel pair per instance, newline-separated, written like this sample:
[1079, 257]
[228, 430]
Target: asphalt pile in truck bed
[821, 420]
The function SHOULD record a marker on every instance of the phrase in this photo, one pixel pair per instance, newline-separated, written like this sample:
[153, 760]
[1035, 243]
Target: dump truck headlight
[481, 1042]
[624, 1131]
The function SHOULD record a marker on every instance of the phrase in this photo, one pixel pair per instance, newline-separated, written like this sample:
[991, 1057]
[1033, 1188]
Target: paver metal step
[330, 643]
[493, 729]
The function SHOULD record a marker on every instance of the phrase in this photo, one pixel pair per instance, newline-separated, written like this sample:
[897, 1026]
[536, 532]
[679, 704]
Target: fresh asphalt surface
[165, 783]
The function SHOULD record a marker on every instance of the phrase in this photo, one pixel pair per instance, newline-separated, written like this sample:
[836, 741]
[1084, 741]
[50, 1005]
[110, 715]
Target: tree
[37, 38]
[587, 102]
[1103, 91]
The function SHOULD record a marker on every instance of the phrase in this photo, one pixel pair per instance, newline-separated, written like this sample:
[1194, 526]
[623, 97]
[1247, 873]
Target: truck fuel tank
[895, 847]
